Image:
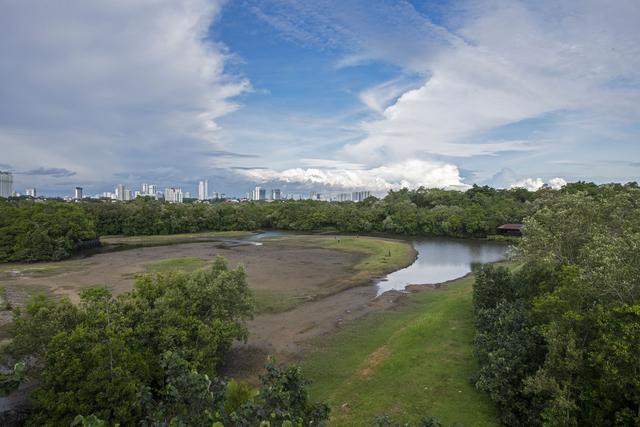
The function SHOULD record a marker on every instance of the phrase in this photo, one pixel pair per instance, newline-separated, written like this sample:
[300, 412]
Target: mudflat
[305, 286]
[280, 266]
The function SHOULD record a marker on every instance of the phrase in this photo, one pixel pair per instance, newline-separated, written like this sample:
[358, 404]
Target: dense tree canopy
[559, 340]
[150, 356]
[37, 231]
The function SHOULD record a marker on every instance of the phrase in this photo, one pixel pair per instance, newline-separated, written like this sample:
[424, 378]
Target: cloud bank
[110, 87]
[409, 173]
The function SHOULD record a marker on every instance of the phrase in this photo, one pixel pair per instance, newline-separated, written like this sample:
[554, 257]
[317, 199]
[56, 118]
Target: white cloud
[532, 184]
[409, 173]
[557, 183]
[512, 61]
[488, 64]
[113, 86]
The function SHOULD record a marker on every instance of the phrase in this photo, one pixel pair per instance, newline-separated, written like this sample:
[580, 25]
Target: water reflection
[440, 260]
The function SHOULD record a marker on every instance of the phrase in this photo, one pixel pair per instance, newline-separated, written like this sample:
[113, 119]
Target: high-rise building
[358, 196]
[173, 195]
[276, 194]
[259, 193]
[31, 192]
[78, 193]
[187, 194]
[145, 190]
[344, 197]
[121, 192]
[6, 184]
[203, 190]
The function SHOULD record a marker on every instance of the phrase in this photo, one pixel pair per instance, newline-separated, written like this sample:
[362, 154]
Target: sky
[328, 96]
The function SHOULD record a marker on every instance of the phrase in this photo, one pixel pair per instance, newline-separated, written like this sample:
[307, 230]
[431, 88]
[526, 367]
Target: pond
[441, 260]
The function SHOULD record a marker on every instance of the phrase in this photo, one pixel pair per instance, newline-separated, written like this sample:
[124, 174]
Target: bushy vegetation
[150, 356]
[49, 231]
[558, 340]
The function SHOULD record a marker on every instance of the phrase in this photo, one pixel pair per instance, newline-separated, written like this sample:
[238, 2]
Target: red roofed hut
[510, 229]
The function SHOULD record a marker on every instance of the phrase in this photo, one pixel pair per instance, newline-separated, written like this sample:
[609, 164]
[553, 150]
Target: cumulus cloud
[113, 86]
[409, 173]
[534, 184]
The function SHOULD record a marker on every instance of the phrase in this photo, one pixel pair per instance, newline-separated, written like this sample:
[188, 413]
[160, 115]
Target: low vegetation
[405, 363]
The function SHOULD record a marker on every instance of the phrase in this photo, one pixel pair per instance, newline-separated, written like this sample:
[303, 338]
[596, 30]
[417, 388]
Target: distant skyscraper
[31, 192]
[121, 192]
[145, 189]
[358, 196]
[173, 195]
[203, 190]
[187, 194]
[276, 194]
[78, 193]
[344, 197]
[259, 193]
[6, 184]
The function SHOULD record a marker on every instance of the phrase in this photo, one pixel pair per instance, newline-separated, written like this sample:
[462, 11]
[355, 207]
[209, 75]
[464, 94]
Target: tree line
[39, 230]
[558, 338]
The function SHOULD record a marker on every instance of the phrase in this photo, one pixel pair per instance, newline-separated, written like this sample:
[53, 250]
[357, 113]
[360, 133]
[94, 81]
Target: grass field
[408, 362]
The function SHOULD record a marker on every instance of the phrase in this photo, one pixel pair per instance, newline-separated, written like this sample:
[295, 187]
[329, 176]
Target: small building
[510, 229]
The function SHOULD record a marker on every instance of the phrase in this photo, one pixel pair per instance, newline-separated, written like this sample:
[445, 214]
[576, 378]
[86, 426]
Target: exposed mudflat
[278, 265]
[284, 267]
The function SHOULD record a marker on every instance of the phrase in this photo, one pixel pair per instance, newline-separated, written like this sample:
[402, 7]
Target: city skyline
[329, 96]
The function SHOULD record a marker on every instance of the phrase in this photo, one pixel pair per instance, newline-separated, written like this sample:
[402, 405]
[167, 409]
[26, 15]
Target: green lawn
[407, 362]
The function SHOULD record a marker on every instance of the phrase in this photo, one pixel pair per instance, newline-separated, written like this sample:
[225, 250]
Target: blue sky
[325, 95]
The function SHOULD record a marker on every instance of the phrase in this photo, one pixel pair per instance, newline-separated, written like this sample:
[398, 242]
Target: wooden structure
[510, 229]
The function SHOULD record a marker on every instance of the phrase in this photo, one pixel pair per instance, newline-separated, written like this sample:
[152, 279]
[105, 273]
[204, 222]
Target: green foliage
[88, 421]
[558, 341]
[149, 357]
[147, 353]
[237, 395]
[10, 381]
[34, 231]
[282, 401]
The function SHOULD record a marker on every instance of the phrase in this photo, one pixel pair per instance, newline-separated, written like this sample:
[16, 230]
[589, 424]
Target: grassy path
[408, 362]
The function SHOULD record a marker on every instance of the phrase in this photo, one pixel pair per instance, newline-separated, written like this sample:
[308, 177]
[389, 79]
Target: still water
[440, 260]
